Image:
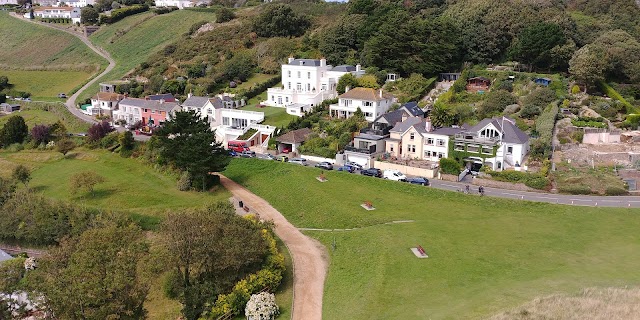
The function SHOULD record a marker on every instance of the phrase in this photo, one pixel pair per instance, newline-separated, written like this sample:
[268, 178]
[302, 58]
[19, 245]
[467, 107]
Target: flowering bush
[262, 306]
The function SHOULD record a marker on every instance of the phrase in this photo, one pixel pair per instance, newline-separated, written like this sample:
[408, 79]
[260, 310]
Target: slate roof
[4, 256]
[195, 102]
[295, 136]
[148, 104]
[403, 126]
[413, 109]
[344, 68]
[512, 134]
[447, 131]
[305, 62]
[163, 96]
[391, 118]
[367, 94]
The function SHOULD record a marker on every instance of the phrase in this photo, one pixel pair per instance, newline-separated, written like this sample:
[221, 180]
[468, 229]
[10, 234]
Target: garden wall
[318, 159]
[423, 172]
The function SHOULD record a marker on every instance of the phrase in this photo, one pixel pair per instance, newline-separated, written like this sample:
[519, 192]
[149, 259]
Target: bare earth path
[309, 258]
[71, 102]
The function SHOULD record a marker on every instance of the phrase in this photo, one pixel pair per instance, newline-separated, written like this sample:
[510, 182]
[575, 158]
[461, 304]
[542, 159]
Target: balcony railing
[472, 137]
[370, 150]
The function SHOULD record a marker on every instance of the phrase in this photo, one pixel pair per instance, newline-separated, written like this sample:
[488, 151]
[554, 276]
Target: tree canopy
[535, 43]
[279, 20]
[14, 131]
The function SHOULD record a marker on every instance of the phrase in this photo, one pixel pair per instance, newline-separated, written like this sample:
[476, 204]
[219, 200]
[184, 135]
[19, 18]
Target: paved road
[309, 256]
[576, 200]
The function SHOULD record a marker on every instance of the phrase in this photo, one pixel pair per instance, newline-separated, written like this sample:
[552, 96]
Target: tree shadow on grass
[39, 188]
[97, 194]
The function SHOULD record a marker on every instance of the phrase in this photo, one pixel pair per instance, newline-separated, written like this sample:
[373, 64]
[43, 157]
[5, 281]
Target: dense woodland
[593, 40]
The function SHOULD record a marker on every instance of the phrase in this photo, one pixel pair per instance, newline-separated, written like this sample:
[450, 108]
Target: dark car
[248, 154]
[346, 168]
[372, 172]
[418, 180]
[324, 165]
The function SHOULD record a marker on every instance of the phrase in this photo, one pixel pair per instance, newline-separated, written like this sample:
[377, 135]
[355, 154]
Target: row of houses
[72, 13]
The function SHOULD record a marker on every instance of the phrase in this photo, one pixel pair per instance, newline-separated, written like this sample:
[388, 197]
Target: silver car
[300, 161]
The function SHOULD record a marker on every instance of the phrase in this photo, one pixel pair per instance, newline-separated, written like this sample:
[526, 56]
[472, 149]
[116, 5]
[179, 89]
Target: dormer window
[411, 136]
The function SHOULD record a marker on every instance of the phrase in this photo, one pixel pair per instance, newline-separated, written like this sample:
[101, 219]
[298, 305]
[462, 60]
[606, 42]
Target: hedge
[575, 189]
[615, 191]
[612, 93]
[531, 180]
[163, 10]
[258, 88]
[449, 166]
[119, 14]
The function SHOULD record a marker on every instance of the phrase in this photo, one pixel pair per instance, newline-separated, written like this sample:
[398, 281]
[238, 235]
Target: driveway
[309, 257]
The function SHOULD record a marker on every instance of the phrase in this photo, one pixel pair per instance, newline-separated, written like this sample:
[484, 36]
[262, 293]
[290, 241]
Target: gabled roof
[478, 78]
[408, 123]
[53, 8]
[391, 118]
[512, 134]
[367, 94]
[163, 96]
[447, 131]
[305, 62]
[295, 136]
[149, 104]
[108, 96]
[195, 102]
[413, 109]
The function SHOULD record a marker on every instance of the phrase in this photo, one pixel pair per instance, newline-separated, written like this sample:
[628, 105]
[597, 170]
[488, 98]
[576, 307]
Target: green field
[45, 85]
[34, 114]
[486, 254]
[24, 45]
[134, 39]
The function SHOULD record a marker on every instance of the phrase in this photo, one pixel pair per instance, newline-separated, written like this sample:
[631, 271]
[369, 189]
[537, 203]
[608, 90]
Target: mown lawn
[134, 39]
[273, 116]
[45, 85]
[486, 254]
[24, 45]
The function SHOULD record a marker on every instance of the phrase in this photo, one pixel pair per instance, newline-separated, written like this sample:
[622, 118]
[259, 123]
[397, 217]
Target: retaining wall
[423, 172]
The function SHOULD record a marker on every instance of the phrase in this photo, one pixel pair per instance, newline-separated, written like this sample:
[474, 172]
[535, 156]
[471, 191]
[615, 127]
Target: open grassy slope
[132, 40]
[35, 113]
[45, 85]
[25, 45]
[486, 254]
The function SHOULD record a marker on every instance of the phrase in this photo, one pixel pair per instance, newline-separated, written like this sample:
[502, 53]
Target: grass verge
[486, 254]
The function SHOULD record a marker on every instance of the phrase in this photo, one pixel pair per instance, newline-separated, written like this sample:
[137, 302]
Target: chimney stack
[358, 67]
[347, 88]
[189, 95]
[161, 101]
[427, 125]
[323, 62]
[380, 93]
[290, 59]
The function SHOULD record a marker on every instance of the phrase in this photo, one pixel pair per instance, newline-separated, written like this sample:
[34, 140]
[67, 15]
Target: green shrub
[612, 93]
[119, 14]
[575, 189]
[172, 285]
[575, 89]
[577, 136]
[110, 140]
[450, 166]
[539, 183]
[615, 191]
[15, 147]
[184, 183]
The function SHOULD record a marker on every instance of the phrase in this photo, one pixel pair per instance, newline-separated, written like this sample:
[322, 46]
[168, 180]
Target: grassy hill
[486, 254]
[25, 45]
[132, 40]
[35, 113]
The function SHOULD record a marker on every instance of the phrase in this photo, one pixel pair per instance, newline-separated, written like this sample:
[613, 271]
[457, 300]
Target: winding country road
[71, 101]
[310, 262]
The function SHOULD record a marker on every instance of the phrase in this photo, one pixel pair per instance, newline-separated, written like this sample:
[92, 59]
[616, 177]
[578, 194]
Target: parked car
[418, 180]
[62, 95]
[394, 175]
[232, 153]
[269, 156]
[372, 172]
[300, 161]
[282, 158]
[354, 165]
[349, 169]
[325, 165]
[248, 154]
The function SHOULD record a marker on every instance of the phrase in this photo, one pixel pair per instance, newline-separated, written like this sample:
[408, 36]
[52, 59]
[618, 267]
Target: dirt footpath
[309, 257]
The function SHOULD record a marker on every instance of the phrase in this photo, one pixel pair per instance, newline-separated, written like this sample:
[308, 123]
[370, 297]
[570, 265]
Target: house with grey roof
[306, 83]
[497, 143]
[4, 256]
[372, 103]
[417, 138]
[151, 113]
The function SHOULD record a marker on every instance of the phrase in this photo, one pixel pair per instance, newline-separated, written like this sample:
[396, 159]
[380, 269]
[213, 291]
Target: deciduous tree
[21, 174]
[85, 180]
[40, 133]
[279, 20]
[65, 145]
[534, 44]
[89, 15]
[347, 80]
[14, 131]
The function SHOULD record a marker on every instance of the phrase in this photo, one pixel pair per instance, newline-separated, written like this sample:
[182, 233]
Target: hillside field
[132, 40]
[45, 85]
[35, 113]
[486, 255]
[21, 41]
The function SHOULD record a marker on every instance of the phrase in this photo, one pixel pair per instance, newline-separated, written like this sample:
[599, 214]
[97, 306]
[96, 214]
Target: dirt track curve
[309, 257]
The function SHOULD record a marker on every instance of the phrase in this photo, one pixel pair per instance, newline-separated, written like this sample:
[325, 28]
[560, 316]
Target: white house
[372, 102]
[151, 113]
[57, 12]
[501, 133]
[416, 138]
[5, 2]
[104, 103]
[77, 3]
[306, 83]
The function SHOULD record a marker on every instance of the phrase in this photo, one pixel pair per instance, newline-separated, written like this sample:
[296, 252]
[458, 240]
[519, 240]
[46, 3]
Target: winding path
[71, 101]
[309, 257]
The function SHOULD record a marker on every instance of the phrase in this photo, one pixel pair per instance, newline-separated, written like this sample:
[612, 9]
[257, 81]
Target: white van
[394, 175]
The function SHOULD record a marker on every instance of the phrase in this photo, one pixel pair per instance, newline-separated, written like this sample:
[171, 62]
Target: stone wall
[502, 185]
[423, 172]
